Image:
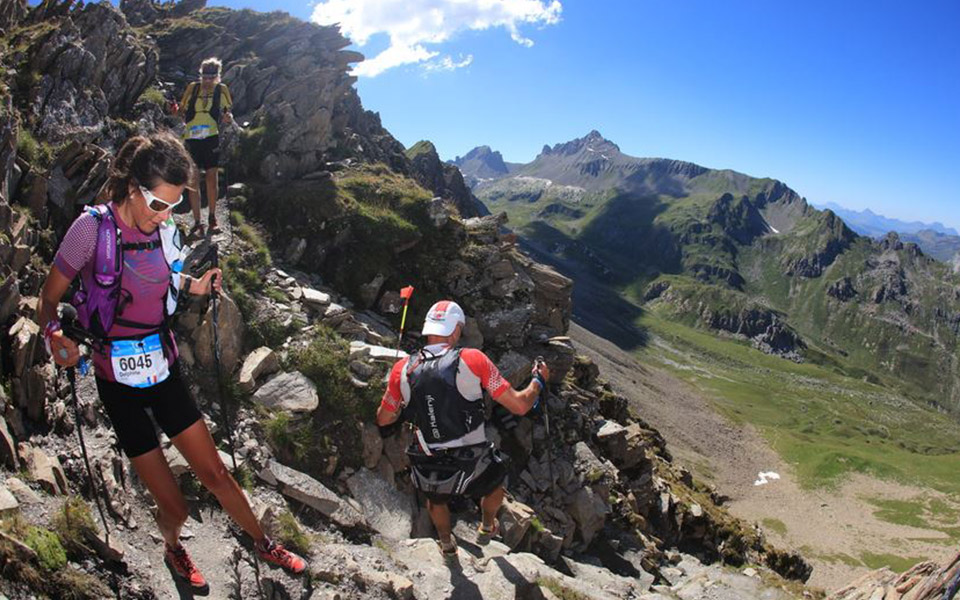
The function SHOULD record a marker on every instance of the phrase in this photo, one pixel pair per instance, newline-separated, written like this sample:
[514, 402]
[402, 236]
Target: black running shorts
[171, 404]
[492, 477]
[205, 152]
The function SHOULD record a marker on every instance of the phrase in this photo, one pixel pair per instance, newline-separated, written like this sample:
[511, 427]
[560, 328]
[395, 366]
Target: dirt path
[822, 524]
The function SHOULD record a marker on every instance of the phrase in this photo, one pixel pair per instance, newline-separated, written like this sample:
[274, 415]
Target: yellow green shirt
[203, 125]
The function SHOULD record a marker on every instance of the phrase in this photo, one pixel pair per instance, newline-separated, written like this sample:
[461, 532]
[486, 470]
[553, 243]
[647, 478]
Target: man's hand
[540, 370]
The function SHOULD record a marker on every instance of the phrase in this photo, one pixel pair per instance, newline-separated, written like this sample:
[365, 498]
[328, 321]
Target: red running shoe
[276, 554]
[182, 564]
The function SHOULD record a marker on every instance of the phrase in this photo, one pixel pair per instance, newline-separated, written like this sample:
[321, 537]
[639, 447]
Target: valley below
[848, 526]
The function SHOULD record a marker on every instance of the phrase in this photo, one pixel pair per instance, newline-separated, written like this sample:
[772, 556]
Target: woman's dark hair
[149, 161]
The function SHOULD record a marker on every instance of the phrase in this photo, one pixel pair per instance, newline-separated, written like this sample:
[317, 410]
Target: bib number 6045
[134, 363]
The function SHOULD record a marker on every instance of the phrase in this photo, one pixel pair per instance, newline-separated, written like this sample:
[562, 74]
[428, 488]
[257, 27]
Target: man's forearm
[386, 417]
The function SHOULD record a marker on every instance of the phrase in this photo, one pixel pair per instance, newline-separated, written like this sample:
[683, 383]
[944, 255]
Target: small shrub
[291, 535]
[325, 361]
[275, 295]
[536, 525]
[594, 475]
[71, 584]
[559, 590]
[70, 523]
[255, 143]
[153, 95]
[244, 477]
[47, 545]
[271, 332]
[288, 438]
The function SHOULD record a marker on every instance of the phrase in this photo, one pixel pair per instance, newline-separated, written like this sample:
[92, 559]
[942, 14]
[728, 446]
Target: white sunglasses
[158, 204]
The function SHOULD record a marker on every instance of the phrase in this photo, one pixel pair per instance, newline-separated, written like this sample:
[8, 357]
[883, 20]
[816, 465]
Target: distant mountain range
[936, 239]
[732, 253]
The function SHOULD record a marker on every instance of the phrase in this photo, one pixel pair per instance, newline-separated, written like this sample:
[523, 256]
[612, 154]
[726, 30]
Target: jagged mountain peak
[593, 142]
[480, 152]
[481, 164]
[483, 156]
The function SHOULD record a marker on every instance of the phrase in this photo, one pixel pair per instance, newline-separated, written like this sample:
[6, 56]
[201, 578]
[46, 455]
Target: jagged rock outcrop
[924, 581]
[12, 12]
[738, 218]
[833, 237]
[842, 289]
[442, 179]
[78, 66]
[766, 328]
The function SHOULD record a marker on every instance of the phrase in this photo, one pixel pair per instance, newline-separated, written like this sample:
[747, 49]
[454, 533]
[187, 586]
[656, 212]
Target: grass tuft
[290, 534]
[71, 522]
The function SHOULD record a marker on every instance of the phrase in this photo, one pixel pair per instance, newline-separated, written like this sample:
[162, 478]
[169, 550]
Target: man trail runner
[440, 390]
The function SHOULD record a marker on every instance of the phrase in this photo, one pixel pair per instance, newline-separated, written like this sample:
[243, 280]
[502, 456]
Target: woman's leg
[196, 446]
[213, 191]
[171, 507]
[194, 195]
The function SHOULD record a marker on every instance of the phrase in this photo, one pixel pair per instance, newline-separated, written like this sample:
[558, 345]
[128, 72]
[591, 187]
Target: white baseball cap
[442, 318]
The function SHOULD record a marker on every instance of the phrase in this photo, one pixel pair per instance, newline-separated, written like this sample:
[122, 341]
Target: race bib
[139, 363]
[199, 132]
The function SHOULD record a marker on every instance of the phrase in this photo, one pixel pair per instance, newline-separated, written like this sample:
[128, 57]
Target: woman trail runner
[127, 256]
[203, 106]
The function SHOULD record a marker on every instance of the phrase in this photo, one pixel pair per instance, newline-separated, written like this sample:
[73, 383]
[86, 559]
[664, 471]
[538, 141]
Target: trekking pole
[214, 297]
[538, 362]
[212, 257]
[68, 324]
[405, 294]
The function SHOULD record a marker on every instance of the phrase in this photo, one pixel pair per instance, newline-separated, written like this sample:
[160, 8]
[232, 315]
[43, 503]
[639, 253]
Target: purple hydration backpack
[100, 299]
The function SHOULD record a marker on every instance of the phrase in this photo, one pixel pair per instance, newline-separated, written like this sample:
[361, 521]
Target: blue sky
[853, 102]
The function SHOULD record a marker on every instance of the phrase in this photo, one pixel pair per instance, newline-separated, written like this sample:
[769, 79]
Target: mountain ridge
[868, 222]
[748, 244]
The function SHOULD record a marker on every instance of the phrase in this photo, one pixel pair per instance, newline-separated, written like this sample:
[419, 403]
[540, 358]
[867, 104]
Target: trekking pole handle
[539, 362]
[83, 338]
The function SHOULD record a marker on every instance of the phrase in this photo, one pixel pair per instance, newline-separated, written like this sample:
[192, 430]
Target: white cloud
[411, 25]
[448, 64]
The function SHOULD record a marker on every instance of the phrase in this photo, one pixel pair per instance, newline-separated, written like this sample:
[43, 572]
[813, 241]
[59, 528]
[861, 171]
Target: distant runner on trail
[128, 256]
[440, 390]
[203, 106]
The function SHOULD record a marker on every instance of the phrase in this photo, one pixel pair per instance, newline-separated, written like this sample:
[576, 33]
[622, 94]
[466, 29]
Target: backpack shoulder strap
[108, 229]
[194, 92]
[215, 105]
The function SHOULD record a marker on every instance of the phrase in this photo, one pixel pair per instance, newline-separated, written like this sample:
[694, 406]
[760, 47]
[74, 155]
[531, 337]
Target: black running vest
[437, 407]
[192, 104]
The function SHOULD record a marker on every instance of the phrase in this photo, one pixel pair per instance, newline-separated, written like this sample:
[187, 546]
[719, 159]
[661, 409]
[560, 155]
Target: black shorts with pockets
[169, 401]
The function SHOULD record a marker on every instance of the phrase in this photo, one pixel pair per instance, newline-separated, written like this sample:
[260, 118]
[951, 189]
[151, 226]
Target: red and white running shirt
[475, 374]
